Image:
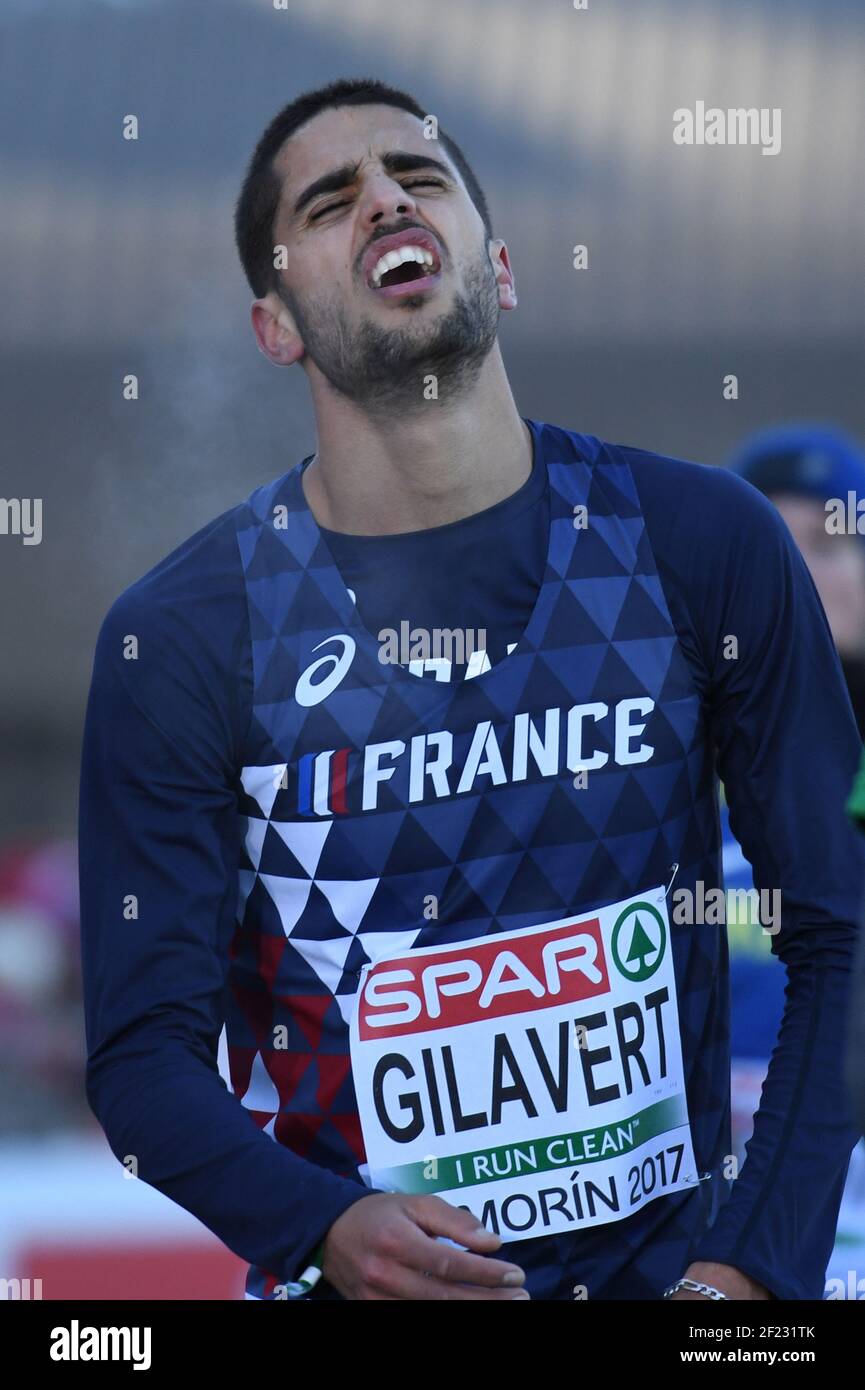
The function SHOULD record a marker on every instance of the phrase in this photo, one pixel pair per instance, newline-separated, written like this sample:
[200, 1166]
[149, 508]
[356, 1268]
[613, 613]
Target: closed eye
[409, 183]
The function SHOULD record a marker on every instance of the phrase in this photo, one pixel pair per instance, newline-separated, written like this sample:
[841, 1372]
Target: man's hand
[384, 1248]
[725, 1279]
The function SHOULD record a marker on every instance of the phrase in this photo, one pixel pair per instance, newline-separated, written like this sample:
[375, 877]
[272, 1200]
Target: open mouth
[407, 269]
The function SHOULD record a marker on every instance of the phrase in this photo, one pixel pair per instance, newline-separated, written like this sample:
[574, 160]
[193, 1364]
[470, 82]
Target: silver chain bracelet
[694, 1287]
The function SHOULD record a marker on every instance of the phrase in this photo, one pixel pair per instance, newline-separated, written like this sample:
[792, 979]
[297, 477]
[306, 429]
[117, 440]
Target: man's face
[373, 332]
[837, 565]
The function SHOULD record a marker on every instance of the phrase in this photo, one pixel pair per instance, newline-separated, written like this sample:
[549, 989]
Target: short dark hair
[259, 197]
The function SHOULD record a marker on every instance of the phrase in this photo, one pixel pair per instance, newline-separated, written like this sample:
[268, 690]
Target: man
[806, 471]
[426, 893]
[855, 1054]
[810, 472]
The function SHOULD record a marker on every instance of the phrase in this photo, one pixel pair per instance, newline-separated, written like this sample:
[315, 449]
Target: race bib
[534, 1076]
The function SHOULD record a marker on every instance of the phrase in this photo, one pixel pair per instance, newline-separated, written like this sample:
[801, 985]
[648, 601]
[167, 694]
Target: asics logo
[306, 692]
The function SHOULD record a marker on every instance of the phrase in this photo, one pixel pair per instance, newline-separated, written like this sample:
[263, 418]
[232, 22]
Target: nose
[386, 199]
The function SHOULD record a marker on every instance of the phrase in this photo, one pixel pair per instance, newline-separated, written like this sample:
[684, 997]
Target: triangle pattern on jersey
[264, 613]
[601, 603]
[277, 657]
[260, 1094]
[245, 882]
[550, 682]
[326, 957]
[606, 785]
[269, 555]
[571, 623]
[679, 798]
[349, 899]
[405, 897]
[374, 834]
[631, 812]
[649, 661]
[321, 729]
[593, 555]
[318, 921]
[530, 890]
[295, 1074]
[413, 845]
[397, 707]
[304, 840]
[654, 591]
[308, 1012]
[488, 833]
[490, 877]
[603, 870]
[460, 901]
[511, 677]
[612, 493]
[684, 718]
[446, 823]
[317, 609]
[562, 822]
[290, 896]
[262, 784]
[341, 856]
[613, 533]
[639, 618]
[565, 872]
[479, 708]
[557, 668]
[355, 712]
[265, 913]
[276, 857]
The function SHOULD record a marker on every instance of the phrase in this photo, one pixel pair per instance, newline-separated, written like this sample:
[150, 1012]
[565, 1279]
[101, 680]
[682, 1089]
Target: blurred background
[117, 257]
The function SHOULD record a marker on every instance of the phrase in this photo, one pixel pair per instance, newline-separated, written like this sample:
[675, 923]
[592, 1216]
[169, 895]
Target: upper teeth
[391, 259]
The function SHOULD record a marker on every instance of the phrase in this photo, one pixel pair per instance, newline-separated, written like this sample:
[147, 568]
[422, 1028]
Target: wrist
[729, 1281]
[693, 1288]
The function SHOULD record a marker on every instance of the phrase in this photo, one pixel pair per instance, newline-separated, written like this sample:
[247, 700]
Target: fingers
[385, 1246]
[422, 1254]
[439, 1218]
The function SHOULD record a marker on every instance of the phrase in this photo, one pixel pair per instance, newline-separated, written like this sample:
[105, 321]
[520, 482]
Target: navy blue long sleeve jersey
[427, 904]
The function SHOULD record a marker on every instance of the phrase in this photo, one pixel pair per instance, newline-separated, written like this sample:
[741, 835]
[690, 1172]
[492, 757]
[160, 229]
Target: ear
[276, 331]
[498, 252]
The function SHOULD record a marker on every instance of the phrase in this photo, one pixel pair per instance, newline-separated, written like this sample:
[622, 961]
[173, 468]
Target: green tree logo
[639, 941]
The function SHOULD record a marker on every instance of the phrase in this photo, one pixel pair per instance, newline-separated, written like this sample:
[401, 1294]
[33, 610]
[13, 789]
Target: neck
[444, 461]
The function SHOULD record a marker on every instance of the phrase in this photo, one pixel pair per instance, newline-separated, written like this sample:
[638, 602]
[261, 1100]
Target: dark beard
[384, 369]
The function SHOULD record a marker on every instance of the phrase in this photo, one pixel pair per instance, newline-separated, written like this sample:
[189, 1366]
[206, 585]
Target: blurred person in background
[802, 468]
[855, 1061]
[40, 990]
[808, 472]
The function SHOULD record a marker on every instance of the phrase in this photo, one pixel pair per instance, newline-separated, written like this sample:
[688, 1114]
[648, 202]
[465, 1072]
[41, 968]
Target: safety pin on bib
[675, 869]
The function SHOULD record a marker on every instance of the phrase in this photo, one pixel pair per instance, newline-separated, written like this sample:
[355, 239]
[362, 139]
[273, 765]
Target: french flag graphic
[321, 779]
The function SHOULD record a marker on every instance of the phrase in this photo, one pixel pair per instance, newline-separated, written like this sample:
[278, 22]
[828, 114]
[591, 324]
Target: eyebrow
[394, 161]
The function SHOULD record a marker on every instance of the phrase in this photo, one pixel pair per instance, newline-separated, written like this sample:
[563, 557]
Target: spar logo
[638, 942]
[491, 978]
